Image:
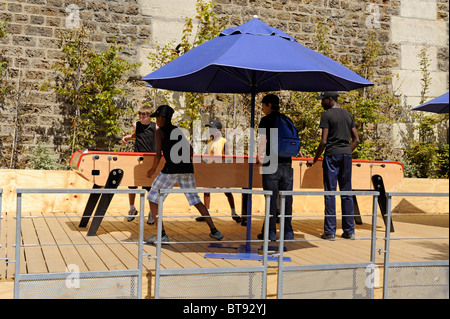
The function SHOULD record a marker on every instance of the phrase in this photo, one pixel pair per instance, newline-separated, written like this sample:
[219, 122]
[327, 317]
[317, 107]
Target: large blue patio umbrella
[437, 105]
[252, 58]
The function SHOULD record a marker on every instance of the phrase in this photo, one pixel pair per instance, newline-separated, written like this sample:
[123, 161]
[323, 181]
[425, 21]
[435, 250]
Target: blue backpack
[288, 140]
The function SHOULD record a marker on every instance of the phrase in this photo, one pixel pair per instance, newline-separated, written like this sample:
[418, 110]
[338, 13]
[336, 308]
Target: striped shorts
[167, 181]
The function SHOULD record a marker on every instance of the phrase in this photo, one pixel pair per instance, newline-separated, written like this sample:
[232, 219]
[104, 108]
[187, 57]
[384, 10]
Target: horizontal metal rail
[136, 272]
[388, 239]
[167, 272]
[282, 268]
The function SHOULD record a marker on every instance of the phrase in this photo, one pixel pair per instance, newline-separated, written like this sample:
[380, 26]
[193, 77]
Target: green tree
[5, 87]
[208, 27]
[89, 83]
[424, 157]
[369, 106]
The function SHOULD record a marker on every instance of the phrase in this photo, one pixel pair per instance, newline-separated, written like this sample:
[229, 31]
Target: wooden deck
[54, 242]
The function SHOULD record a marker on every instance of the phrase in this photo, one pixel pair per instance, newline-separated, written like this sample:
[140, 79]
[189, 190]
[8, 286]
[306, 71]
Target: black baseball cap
[163, 110]
[327, 94]
[215, 124]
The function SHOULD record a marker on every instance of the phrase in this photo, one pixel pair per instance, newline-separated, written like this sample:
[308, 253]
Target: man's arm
[261, 148]
[355, 139]
[320, 148]
[158, 139]
[130, 136]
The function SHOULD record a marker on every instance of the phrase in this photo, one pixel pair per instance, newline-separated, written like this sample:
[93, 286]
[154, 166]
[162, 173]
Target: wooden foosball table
[114, 169]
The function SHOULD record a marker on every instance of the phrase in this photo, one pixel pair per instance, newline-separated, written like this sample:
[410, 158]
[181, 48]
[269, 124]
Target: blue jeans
[281, 180]
[338, 169]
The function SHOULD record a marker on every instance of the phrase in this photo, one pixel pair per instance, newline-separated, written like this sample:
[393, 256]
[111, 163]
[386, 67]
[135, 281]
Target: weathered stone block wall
[31, 47]
[403, 27]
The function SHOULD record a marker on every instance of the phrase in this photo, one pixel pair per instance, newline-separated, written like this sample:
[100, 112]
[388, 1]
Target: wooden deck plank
[34, 258]
[52, 254]
[3, 246]
[10, 242]
[168, 260]
[115, 239]
[103, 250]
[196, 231]
[66, 247]
[185, 232]
[107, 250]
[91, 260]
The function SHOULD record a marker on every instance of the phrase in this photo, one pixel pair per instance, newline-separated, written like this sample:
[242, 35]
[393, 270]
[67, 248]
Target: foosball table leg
[114, 178]
[356, 214]
[103, 205]
[378, 185]
[90, 206]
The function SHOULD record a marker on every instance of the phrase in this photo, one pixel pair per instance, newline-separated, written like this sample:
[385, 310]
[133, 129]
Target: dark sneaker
[328, 236]
[349, 236]
[289, 235]
[131, 213]
[153, 240]
[200, 219]
[217, 235]
[236, 218]
[272, 236]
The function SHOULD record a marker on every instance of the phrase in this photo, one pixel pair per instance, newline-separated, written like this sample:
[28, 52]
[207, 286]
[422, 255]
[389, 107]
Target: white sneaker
[131, 213]
[150, 219]
[153, 240]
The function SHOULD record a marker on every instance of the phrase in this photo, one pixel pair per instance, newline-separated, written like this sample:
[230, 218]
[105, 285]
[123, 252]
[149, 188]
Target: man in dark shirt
[338, 128]
[177, 151]
[277, 173]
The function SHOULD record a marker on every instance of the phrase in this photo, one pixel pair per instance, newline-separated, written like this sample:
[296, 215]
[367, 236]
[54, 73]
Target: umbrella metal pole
[250, 166]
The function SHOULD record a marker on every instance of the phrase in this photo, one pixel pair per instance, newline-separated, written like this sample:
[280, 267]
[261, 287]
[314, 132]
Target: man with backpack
[277, 172]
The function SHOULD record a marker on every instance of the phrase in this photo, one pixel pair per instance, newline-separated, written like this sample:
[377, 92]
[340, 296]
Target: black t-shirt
[268, 122]
[339, 123]
[176, 151]
[145, 137]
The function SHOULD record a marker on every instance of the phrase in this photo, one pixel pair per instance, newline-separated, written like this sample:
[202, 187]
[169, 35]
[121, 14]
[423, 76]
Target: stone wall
[403, 27]
[31, 47]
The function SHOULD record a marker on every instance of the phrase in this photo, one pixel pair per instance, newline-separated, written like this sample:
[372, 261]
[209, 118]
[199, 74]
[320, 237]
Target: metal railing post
[387, 246]
[1, 217]
[281, 247]
[373, 246]
[141, 244]
[266, 245]
[17, 256]
[158, 244]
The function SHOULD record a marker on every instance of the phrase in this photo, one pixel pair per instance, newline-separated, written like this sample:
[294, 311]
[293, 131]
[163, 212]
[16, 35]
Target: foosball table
[113, 169]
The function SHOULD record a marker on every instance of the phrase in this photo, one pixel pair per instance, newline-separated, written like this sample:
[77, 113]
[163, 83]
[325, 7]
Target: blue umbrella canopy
[437, 105]
[251, 58]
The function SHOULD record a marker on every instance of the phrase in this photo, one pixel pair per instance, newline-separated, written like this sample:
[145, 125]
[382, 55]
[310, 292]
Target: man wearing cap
[338, 128]
[217, 145]
[177, 151]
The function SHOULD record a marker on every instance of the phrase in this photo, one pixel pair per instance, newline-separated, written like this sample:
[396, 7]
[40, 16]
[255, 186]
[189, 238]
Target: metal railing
[1, 216]
[409, 279]
[418, 279]
[321, 286]
[88, 284]
[241, 282]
